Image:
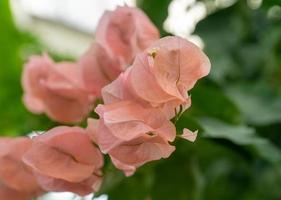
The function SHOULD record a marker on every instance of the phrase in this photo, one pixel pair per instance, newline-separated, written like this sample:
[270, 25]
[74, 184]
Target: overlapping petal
[64, 154]
[14, 174]
[131, 134]
[125, 32]
[55, 89]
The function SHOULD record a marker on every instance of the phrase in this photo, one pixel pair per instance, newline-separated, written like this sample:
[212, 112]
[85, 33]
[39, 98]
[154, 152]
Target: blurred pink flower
[14, 174]
[161, 76]
[65, 159]
[55, 89]
[121, 34]
[125, 32]
[132, 135]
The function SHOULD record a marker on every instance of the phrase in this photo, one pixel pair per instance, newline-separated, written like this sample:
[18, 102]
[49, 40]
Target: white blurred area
[82, 15]
[183, 17]
[64, 26]
[67, 26]
[69, 196]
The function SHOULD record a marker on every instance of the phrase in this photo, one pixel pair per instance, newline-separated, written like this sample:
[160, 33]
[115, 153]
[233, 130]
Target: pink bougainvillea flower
[13, 172]
[7, 193]
[56, 89]
[120, 35]
[66, 159]
[120, 90]
[132, 135]
[125, 32]
[170, 68]
[189, 135]
[161, 76]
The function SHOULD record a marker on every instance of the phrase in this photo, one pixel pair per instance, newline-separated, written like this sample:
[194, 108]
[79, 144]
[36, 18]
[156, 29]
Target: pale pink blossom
[125, 32]
[161, 76]
[132, 135]
[167, 70]
[65, 159]
[121, 34]
[55, 89]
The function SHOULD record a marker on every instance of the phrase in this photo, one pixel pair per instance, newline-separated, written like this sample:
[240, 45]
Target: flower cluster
[143, 82]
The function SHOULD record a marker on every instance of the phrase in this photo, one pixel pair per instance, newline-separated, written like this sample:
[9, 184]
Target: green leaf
[136, 187]
[258, 103]
[210, 100]
[241, 135]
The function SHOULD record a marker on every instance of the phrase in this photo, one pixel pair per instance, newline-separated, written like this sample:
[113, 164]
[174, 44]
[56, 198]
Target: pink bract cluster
[143, 82]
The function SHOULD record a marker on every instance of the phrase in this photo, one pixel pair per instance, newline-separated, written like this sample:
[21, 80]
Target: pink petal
[116, 29]
[67, 139]
[56, 89]
[58, 164]
[92, 128]
[67, 150]
[167, 131]
[143, 83]
[189, 135]
[107, 140]
[125, 32]
[85, 187]
[128, 170]
[7, 193]
[114, 91]
[140, 151]
[13, 172]
[98, 69]
[178, 62]
[34, 72]
[127, 120]
[65, 110]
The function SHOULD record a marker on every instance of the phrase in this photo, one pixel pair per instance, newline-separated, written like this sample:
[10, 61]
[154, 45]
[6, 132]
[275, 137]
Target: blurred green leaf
[241, 135]
[136, 187]
[210, 100]
[15, 119]
[257, 102]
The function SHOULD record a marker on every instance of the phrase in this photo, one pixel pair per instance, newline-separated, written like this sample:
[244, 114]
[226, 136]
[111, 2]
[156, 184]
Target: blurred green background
[237, 108]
